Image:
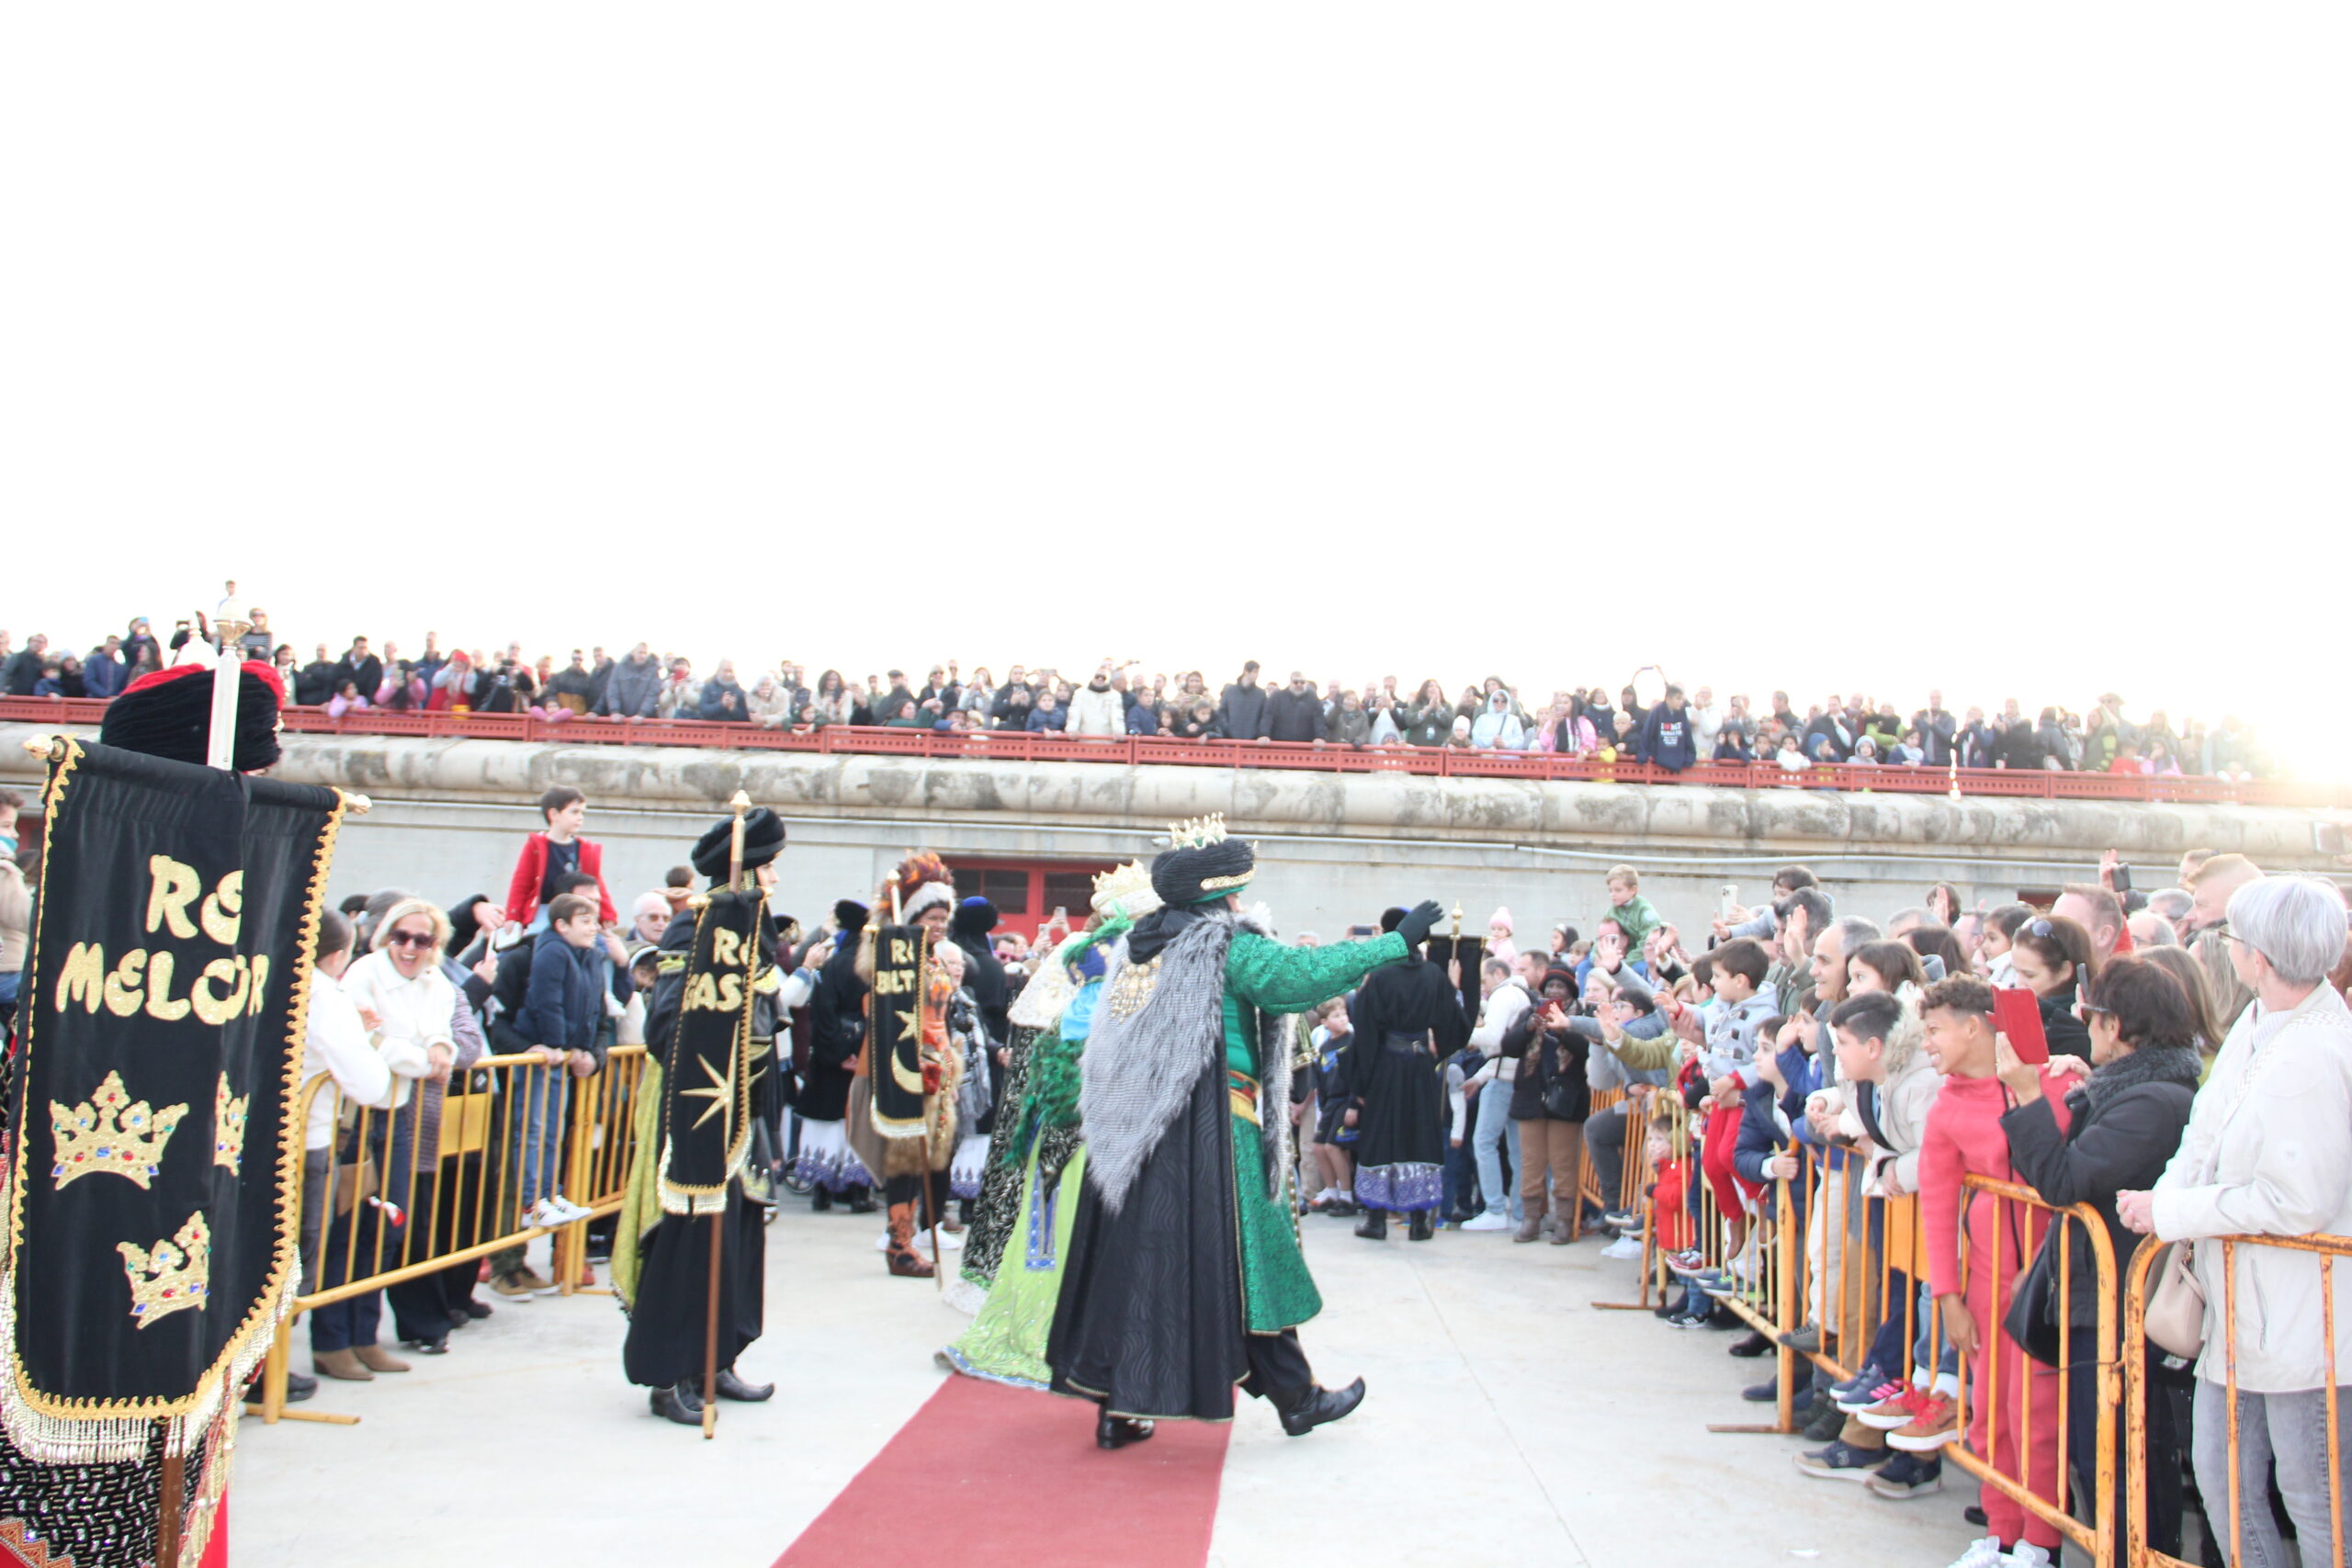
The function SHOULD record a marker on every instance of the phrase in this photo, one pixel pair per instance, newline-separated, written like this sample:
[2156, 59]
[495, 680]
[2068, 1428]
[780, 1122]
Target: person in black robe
[669, 1312]
[1407, 1018]
[827, 1166]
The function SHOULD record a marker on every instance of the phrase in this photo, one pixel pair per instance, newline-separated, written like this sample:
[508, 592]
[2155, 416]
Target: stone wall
[1336, 847]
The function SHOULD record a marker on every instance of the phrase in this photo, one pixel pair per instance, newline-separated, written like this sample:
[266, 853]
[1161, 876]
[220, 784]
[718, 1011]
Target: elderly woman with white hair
[2268, 1152]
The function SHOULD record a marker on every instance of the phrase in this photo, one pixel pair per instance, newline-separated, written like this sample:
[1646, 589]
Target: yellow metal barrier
[2138, 1457]
[461, 1200]
[2097, 1537]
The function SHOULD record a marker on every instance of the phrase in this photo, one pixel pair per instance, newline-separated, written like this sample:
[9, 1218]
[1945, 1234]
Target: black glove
[1415, 927]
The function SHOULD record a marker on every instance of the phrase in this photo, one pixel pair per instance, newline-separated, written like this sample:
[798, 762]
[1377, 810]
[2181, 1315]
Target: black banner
[158, 1164]
[707, 1076]
[894, 1029]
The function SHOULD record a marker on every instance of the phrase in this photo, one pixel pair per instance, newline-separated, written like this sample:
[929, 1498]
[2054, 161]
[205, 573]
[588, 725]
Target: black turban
[762, 841]
[168, 712]
[1197, 874]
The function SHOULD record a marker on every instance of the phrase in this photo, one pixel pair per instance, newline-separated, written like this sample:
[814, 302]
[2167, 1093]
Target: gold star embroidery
[720, 1092]
[907, 1020]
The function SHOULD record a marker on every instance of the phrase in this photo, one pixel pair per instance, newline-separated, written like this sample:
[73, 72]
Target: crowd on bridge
[1679, 729]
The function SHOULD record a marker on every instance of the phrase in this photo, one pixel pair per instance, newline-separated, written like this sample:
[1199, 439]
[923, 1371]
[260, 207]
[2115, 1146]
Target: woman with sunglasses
[409, 1007]
[2053, 960]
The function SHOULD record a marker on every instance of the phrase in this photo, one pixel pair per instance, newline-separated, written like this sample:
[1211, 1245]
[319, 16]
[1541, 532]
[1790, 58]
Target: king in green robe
[1183, 1276]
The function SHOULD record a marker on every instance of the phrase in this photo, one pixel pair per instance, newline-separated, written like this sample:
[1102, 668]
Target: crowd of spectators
[1681, 728]
[2198, 1084]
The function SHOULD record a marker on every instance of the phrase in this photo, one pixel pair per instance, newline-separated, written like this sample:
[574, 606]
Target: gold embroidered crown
[228, 1127]
[109, 1133]
[171, 1277]
[1121, 882]
[1197, 834]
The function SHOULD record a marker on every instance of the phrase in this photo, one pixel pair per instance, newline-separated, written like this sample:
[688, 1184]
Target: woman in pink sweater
[1964, 1137]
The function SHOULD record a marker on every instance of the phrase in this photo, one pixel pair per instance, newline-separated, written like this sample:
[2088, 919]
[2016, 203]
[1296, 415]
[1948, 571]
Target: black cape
[1150, 1319]
[1407, 1018]
[836, 1035]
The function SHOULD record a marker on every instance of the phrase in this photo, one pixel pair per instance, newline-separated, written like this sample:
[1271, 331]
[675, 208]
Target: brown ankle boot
[902, 1259]
[376, 1358]
[342, 1364]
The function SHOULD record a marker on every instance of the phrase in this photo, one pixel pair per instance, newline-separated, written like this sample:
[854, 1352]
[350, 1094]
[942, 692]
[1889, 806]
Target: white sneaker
[2025, 1554]
[1983, 1553]
[571, 1211]
[1490, 1220]
[547, 1216]
[1623, 1246]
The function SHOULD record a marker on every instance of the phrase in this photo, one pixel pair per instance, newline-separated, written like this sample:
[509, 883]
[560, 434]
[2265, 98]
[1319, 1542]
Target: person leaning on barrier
[2127, 1116]
[335, 1046]
[2268, 1152]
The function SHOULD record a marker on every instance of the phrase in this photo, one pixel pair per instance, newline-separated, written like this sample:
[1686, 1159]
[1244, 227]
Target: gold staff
[741, 804]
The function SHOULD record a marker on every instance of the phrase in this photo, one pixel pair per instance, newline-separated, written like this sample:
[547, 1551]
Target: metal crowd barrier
[1818, 1251]
[388, 1213]
[2136, 1351]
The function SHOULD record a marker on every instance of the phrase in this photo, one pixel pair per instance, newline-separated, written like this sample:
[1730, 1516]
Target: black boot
[733, 1387]
[1117, 1431]
[1418, 1226]
[1304, 1409]
[1374, 1226]
[861, 1201]
[681, 1405]
[821, 1202]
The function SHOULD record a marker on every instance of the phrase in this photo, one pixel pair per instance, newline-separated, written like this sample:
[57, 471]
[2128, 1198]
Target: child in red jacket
[557, 853]
[1964, 1137]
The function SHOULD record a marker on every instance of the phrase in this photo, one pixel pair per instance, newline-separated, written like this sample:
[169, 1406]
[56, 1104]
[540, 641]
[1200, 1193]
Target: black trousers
[1277, 1365]
[2164, 1446]
[913, 1190]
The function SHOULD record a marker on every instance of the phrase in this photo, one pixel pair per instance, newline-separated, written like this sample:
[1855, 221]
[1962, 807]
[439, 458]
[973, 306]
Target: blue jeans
[1461, 1180]
[538, 1119]
[2291, 1428]
[1494, 1130]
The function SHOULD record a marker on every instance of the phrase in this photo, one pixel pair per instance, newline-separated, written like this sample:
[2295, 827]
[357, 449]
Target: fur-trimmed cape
[1159, 1025]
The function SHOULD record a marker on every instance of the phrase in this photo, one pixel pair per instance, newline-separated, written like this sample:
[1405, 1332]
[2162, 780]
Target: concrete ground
[1507, 1422]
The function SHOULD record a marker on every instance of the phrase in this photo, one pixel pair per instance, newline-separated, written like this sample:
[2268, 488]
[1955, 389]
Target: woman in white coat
[2268, 1152]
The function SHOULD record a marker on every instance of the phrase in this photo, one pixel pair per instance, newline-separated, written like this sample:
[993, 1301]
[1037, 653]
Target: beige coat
[2268, 1152]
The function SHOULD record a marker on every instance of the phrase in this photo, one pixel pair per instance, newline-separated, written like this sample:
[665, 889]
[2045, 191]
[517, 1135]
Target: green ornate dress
[1007, 1340]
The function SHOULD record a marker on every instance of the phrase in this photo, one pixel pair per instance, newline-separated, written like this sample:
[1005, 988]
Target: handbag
[354, 1182]
[2032, 1318]
[2174, 1317]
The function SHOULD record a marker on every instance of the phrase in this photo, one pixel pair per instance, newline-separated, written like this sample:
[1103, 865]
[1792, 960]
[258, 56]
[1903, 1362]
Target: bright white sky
[1872, 346]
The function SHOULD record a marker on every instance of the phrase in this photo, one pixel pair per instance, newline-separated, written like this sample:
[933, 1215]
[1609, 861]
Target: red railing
[1013, 746]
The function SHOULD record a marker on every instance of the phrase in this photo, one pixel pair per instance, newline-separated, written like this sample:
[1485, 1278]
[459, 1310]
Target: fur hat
[974, 917]
[1390, 919]
[168, 712]
[849, 916]
[762, 841]
[922, 880]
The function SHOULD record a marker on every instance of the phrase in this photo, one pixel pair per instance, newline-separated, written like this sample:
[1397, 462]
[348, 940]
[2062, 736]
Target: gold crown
[1121, 882]
[1198, 832]
[173, 1275]
[107, 1131]
[228, 1127]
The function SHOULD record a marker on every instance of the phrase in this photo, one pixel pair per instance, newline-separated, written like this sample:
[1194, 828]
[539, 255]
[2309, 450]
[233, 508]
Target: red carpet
[987, 1476]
